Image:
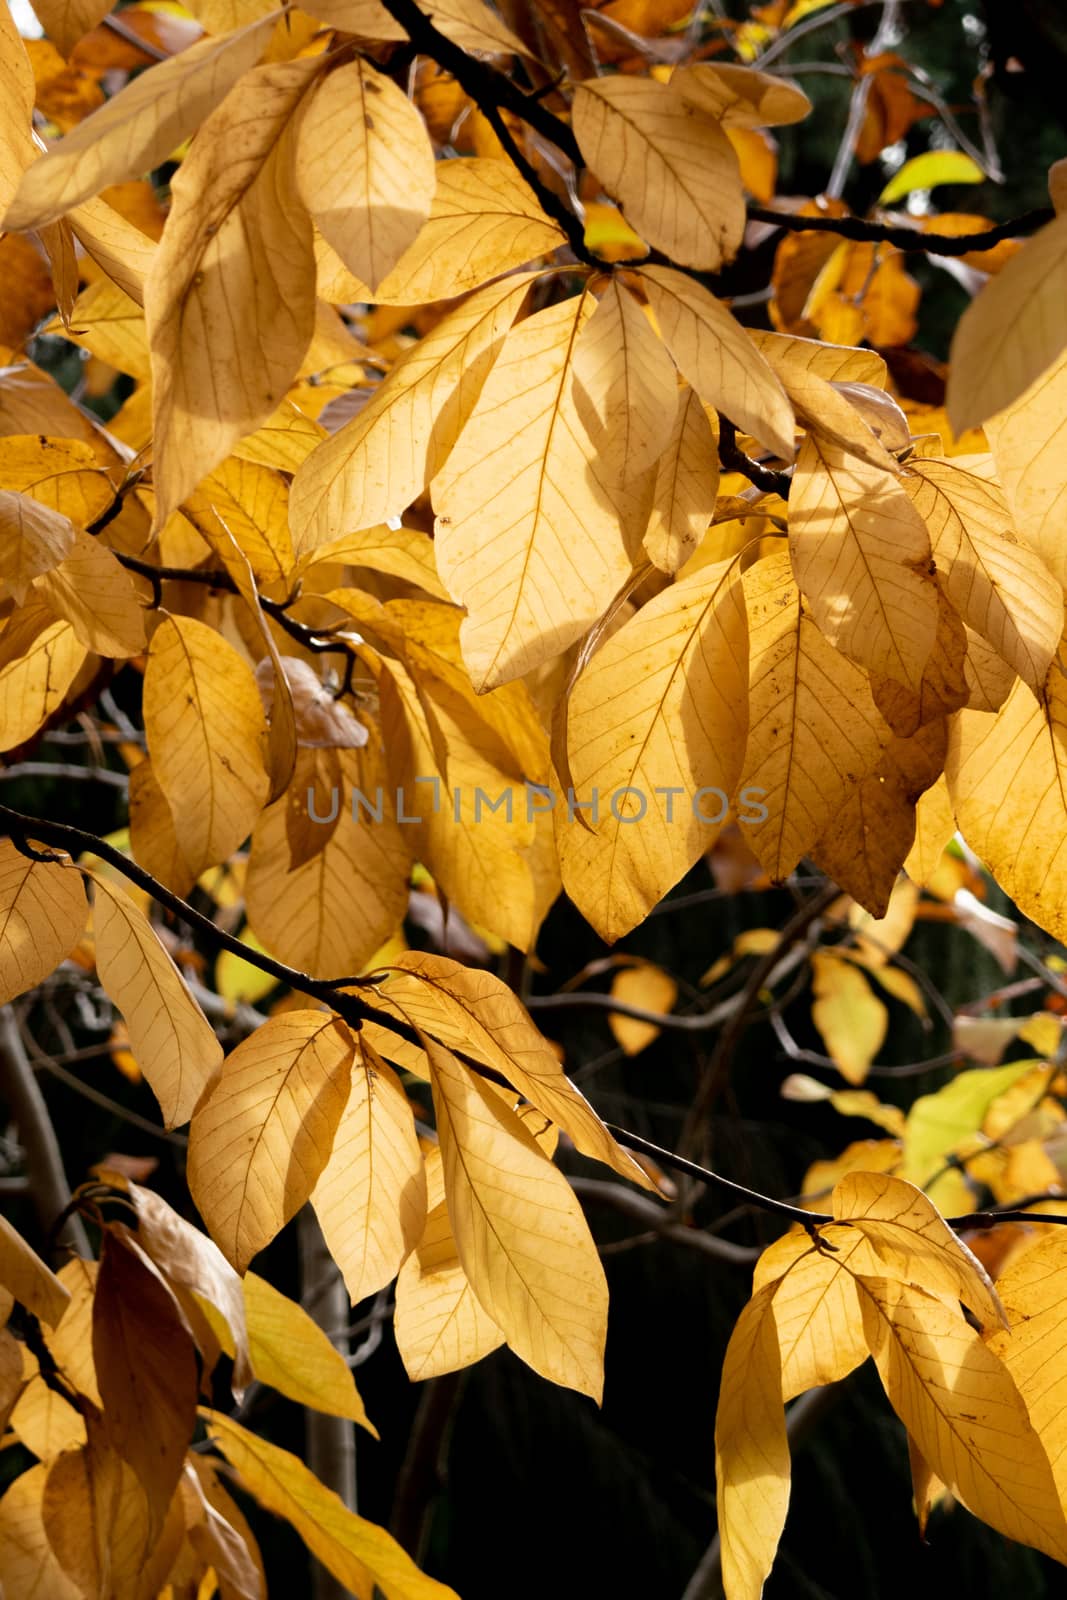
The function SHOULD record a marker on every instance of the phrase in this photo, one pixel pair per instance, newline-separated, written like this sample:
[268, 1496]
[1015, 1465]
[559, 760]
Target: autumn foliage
[431, 527]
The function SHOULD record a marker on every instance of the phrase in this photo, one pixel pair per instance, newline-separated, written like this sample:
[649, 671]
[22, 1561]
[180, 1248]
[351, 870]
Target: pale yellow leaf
[527, 534]
[1000, 588]
[357, 1552]
[914, 1241]
[172, 1041]
[673, 170]
[656, 731]
[230, 296]
[819, 405]
[71, 1340]
[484, 220]
[285, 440]
[67, 21]
[861, 554]
[473, 1011]
[110, 325]
[687, 480]
[625, 387]
[643, 985]
[33, 539]
[404, 553]
[1012, 331]
[371, 1196]
[1033, 1292]
[1007, 780]
[851, 1019]
[816, 1310]
[137, 129]
[93, 591]
[814, 729]
[250, 502]
[717, 357]
[376, 465]
[260, 1140]
[752, 1469]
[17, 92]
[523, 1241]
[64, 474]
[219, 16]
[39, 660]
[25, 1275]
[364, 168]
[292, 1354]
[1028, 439]
[42, 916]
[959, 1402]
[115, 243]
[741, 97]
[206, 734]
[153, 839]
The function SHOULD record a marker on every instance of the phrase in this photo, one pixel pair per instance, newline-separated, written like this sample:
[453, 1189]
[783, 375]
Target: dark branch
[910, 239]
[733, 459]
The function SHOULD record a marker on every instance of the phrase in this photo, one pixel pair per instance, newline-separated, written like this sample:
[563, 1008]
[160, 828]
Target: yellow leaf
[816, 1309]
[625, 388]
[470, 1010]
[251, 503]
[836, 735]
[230, 297]
[1012, 331]
[33, 540]
[673, 170]
[39, 660]
[116, 244]
[468, 23]
[523, 1241]
[358, 1553]
[262, 1137]
[642, 985]
[109, 324]
[741, 97]
[1007, 777]
[97, 597]
[376, 465]
[803, 369]
[1033, 1295]
[17, 93]
[960, 1403]
[861, 554]
[71, 1340]
[999, 587]
[928, 170]
[752, 1470]
[63, 474]
[656, 733]
[939, 1123]
[42, 917]
[528, 536]
[292, 1354]
[371, 1196]
[206, 733]
[33, 1285]
[41, 1420]
[439, 1324]
[29, 1564]
[219, 16]
[852, 1020]
[687, 481]
[365, 168]
[717, 357]
[173, 1043]
[1027, 441]
[914, 1241]
[137, 129]
[284, 441]
[484, 220]
[330, 915]
[153, 840]
[398, 552]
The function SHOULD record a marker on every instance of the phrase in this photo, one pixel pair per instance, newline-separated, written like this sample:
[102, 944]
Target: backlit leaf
[42, 916]
[292, 1354]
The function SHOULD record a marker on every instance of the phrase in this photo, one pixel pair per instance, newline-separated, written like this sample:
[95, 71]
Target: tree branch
[907, 239]
[734, 459]
[48, 1186]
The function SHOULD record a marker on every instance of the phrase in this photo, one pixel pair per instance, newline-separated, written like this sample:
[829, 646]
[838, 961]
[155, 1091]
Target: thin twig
[907, 239]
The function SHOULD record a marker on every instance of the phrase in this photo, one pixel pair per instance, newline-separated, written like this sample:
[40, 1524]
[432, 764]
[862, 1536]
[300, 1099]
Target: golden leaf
[752, 1469]
[522, 1239]
[42, 916]
[33, 540]
[375, 466]
[206, 734]
[1027, 439]
[1011, 332]
[642, 985]
[17, 93]
[528, 536]
[741, 97]
[29, 1564]
[365, 168]
[371, 1196]
[672, 169]
[687, 481]
[172, 1041]
[153, 839]
[39, 660]
[468, 23]
[861, 554]
[137, 129]
[625, 387]
[262, 1137]
[659, 718]
[230, 299]
[63, 474]
[852, 1020]
[404, 553]
[814, 729]
[1032, 1290]
[357, 1552]
[816, 1308]
[97, 597]
[25, 1275]
[292, 1354]
[716, 356]
[801, 367]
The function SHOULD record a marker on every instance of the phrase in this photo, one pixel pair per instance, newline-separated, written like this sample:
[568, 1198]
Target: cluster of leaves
[583, 550]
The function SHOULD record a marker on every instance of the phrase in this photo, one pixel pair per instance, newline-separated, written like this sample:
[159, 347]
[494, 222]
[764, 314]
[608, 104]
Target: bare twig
[48, 1186]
